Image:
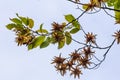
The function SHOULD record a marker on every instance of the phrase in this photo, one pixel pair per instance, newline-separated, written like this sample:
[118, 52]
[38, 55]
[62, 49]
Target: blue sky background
[17, 63]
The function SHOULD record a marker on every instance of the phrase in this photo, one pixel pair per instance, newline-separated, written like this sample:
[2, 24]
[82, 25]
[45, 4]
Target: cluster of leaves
[59, 33]
[24, 34]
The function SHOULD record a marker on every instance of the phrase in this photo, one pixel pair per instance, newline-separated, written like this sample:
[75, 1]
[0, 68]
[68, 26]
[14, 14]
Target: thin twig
[104, 56]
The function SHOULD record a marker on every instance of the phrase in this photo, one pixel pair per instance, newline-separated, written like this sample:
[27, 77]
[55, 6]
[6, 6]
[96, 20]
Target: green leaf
[30, 46]
[41, 26]
[69, 17]
[16, 26]
[24, 19]
[68, 38]
[45, 43]
[16, 20]
[74, 30]
[31, 23]
[76, 24]
[38, 41]
[19, 27]
[117, 6]
[117, 15]
[110, 3]
[61, 44]
[53, 41]
[41, 30]
[10, 26]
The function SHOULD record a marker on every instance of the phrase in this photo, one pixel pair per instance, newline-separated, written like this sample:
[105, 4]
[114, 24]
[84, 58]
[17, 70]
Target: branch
[104, 57]
[110, 9]
[95, 6]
